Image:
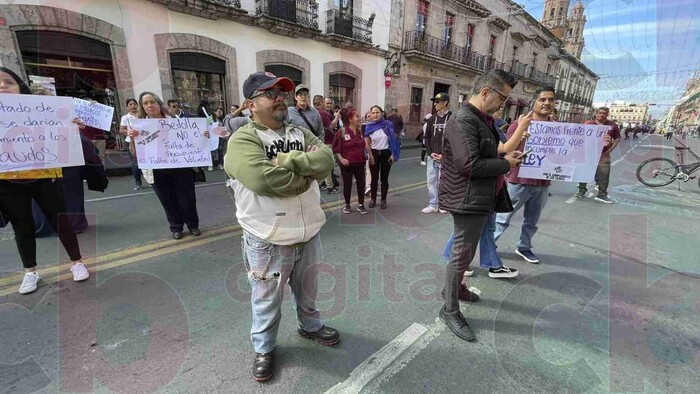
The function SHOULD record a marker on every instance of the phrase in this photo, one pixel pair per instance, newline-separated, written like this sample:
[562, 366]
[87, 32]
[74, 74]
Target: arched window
[341, 88]
[198, 81]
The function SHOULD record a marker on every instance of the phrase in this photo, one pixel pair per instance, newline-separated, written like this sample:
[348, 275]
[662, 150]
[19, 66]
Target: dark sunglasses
[271, 94]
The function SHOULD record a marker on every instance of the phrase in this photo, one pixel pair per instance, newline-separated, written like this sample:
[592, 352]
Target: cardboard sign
[171, 143]
[37, 132]
[563, 151]
[94, 115]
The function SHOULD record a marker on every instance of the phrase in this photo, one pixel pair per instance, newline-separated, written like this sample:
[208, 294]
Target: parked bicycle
[661, 171]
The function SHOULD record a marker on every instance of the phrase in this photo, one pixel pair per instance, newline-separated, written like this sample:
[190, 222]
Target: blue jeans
[433, 174]
[488, 257]
[533, 198]
[269, 267]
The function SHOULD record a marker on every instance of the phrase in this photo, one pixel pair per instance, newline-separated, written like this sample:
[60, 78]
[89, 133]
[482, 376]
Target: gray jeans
[602, 176]
[467, 230]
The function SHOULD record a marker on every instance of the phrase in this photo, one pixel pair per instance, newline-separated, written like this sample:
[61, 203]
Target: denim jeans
[269, 267]
[433, 174]
[488, 257]
[533, 198]
[135, 170]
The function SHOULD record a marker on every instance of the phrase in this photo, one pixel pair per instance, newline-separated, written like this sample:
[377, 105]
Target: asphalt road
[613, 307]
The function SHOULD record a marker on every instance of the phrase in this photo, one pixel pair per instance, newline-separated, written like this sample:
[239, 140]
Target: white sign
[37, 132]
[171, 143]
[94, 115]
[563, 151]
[213, 138]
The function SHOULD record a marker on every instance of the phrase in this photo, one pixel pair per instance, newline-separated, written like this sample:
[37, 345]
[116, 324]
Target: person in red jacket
[352, 153]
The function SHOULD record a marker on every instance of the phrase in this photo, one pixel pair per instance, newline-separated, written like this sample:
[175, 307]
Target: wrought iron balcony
[426, 44]
[228, 3]
[492, 64]
[300, 12]
[520, 69]
[348, 25]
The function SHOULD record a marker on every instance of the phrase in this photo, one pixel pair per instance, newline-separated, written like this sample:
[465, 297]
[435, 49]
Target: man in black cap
[433, 145]
[274, 169]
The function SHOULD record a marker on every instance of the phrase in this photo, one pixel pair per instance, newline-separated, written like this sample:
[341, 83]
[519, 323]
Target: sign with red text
[171, 143]
[563, 151]
[37, 132]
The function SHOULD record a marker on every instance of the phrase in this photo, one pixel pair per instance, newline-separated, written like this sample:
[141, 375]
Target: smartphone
[525, 153]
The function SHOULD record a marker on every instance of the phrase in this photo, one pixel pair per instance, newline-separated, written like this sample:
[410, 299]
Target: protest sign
[563, 151]
[94, 115]
[213, 138]
[37, 132]
[171, 143]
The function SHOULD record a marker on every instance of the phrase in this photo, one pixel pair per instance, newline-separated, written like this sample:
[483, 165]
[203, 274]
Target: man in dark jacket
[471, 183]
[434, 131]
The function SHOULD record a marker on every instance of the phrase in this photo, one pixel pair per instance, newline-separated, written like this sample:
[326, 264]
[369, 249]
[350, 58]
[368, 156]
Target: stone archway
[340, 67]
[278, 56]
[32, 17]
[185, 42]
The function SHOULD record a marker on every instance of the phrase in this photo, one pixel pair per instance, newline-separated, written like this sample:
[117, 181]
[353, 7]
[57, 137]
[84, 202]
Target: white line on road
[145, 193]
[390, 359]
[628, 152]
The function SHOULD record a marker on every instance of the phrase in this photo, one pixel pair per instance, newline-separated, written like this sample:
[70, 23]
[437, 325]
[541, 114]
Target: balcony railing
[349, 25]
[417, 41]
[228, 3]
[520, 69]
[300, 12]
[492, 64]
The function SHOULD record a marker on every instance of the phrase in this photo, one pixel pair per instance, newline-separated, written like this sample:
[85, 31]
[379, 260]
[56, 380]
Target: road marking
[629, 151]
[390, 359]
[139, 253]
[145, 193]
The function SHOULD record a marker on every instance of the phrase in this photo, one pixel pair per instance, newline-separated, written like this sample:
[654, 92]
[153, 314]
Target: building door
[81, 67]
[415, 114]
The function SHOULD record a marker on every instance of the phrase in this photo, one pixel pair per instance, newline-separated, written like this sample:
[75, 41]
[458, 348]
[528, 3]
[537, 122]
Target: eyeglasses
[272, 94]
[503, 97]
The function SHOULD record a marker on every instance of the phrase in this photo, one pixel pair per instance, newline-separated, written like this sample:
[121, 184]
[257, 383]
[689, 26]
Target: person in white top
[133, 113]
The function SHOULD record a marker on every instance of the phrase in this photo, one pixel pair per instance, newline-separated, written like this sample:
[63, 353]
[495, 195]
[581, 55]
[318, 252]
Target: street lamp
[393, 67]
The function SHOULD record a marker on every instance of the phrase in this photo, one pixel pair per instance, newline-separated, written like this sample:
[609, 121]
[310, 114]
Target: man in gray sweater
[303, 114]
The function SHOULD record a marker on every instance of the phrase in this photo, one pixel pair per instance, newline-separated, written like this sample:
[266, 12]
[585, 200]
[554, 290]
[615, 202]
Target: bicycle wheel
[657, 172]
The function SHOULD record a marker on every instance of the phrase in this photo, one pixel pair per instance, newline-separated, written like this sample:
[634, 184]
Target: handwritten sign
[171, 143]
[94, 114]
[37, 132]
[563, 151]
[213, 138]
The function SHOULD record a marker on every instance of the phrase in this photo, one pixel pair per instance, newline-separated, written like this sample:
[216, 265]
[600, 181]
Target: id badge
[347, 137]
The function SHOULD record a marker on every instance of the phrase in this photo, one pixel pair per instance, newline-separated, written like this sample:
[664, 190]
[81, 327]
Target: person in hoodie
[433, 143]
[381, 139]
[274, 169]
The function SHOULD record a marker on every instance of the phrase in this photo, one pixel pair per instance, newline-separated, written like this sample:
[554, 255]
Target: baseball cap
[265, 81]
[441, 97]
[299, 88]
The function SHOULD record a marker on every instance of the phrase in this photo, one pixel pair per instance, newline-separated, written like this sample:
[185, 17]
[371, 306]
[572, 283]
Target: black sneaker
[326, 336]
[334, 190]
[527, 255]
[361, 209]
[581, 193]
[347, 209]
[455, 322]
[262, 366]
[464, 294]
[503, 272]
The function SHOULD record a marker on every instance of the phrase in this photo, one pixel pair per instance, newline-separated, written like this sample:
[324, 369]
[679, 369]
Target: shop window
[198, 81]
[341, 88]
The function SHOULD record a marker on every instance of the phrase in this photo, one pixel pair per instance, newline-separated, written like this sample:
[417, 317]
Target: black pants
[668, 136]
[423, 152]
[380, 171]
[16, 197]
[356, 170]
[175, 190]
[467, 230]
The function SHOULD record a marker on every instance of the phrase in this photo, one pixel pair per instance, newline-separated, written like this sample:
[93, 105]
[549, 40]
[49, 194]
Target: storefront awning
[522, 103]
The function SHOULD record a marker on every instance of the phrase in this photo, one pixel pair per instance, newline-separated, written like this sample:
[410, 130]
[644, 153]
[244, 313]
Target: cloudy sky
[643, 50]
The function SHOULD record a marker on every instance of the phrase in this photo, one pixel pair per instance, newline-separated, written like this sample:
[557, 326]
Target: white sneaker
[468, 273]
[29, 283]
[221, 166]
[423, 163]
[429, 209]
[211, 168]
[442, 211]
[79, 271]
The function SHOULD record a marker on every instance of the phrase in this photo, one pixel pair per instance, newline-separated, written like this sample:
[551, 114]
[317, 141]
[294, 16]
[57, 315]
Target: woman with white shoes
[17, 188]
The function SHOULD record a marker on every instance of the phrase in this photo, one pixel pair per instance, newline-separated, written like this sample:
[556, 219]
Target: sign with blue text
[37, 132]
[94, 114]
[563, 151]
[171, 143]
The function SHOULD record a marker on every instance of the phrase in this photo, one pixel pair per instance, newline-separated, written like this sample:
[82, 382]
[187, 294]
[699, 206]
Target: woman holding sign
[173, 186]
[17, 188]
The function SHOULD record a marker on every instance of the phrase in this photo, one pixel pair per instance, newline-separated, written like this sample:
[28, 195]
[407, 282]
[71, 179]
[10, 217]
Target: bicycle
[661, 171]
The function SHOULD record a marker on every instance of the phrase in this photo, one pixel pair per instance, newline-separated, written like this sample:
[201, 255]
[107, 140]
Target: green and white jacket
[280, 203]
